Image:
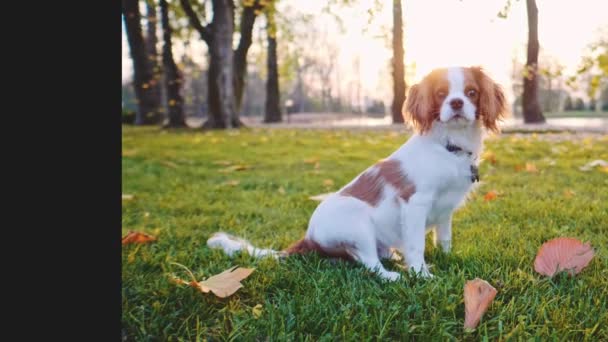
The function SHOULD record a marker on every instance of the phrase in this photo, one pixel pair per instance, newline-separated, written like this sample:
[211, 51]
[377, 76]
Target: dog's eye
[471, 92]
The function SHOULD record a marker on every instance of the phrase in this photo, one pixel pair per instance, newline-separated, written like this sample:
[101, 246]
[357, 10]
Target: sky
[441, 33]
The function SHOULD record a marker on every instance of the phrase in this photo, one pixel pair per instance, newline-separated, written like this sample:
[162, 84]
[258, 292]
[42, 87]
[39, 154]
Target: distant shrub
[128, 117]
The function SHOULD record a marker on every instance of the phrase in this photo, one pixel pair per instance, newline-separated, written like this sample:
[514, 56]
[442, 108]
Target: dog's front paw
[422, 271]
[390, 276]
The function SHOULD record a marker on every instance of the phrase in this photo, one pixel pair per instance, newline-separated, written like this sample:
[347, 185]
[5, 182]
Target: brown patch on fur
[390, 170]
[422, 103]
[305, 246]
[492, 104]
[369, 185]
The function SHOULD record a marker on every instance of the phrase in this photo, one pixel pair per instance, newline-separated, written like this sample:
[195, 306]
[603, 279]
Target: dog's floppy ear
[418, 107]
[492, 101]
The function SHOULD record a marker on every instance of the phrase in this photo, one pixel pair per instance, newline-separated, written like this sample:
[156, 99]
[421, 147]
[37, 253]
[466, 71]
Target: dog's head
[457, 96]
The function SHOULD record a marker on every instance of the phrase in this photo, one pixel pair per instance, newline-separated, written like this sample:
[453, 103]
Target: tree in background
[250, 11]
[531, 110]
[151, 41]
[273, 99]
[173, 76]
[398, 67]
[227, 68]
[148, 102]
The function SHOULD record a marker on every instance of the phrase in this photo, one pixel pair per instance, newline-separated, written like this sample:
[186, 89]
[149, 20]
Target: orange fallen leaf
[137, 237]
[490, 196]
[312, 160]
[563, 254]
[568, 193]
[519, 168]
[530, 167]
[222, 285]
[478, 294]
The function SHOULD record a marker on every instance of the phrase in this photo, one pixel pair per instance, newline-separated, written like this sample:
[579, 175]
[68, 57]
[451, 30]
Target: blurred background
[222, 63]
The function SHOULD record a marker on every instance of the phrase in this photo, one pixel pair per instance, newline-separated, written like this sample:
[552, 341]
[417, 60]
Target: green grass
[182, 196]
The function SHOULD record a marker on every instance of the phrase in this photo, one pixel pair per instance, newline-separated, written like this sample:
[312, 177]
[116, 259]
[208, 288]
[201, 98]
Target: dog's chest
[447, 200]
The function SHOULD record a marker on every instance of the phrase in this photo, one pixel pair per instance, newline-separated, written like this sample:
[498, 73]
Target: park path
[357, 121]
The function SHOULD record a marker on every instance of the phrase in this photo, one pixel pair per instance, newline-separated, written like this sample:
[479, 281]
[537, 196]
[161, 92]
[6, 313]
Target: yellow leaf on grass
[490, 157]
[127, 197]
[222, 285]
[281, 190]
[312, 160]
[568, 193]
[221, 162]
[530, 167]
[232, 182]
[257, 311]
[129, 153]
[234, 168]
[328, 182]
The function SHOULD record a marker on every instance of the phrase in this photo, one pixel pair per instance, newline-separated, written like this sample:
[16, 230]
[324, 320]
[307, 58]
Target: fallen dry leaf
[169, 164]
[478, 294]
[221, 162]
[568, 193]
[257, 311]
[232, 182]
[222, 285]
[519, 168]
[530, 167]
[592, 164]
[328, 182]
[137, 237]
[320, 197]
[281, 190]
[312, 160]
[491, 195]
[562, 254]
[490, 157]
[234, 168]
[127, 197]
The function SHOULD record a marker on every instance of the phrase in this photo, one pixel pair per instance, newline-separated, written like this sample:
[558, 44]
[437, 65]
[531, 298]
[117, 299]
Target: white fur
[442, 180]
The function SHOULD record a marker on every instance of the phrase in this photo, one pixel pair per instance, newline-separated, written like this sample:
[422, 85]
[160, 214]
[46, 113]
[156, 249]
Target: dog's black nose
[456, 104]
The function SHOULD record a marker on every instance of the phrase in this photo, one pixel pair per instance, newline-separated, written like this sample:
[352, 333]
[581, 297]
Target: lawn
[255, 183]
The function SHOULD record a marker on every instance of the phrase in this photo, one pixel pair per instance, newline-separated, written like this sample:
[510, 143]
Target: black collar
[455, 149]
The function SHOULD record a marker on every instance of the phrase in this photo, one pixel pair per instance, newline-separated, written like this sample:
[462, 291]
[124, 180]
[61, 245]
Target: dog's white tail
[232, 244]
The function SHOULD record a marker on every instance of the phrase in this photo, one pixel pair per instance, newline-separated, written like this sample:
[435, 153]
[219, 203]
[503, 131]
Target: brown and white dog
[395, 202]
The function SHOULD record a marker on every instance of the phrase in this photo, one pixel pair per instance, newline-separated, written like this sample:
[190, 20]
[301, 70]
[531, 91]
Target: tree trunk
[173, 77]
[240, 55]
[531, 108]
[148, 104]
[221, 83]
[151, 42]
[398, 67]
[273, 104]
